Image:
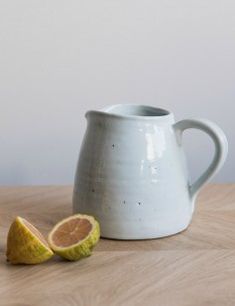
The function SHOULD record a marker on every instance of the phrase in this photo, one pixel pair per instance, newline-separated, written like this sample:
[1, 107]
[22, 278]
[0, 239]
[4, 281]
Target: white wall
[61, 58]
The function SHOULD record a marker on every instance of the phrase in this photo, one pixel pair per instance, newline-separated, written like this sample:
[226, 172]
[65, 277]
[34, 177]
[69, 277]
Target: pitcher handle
[220, 142]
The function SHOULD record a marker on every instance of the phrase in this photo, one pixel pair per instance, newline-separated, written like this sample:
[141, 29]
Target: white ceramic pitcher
[132, 174]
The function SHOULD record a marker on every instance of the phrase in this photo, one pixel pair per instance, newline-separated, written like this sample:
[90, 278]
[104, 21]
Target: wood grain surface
[195, 267]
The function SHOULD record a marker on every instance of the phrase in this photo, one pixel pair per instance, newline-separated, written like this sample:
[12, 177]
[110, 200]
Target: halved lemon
[74, 237]
[25, 244]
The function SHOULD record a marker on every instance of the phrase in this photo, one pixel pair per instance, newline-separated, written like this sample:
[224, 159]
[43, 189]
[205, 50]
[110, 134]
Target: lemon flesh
[74, 237]
[25, 244]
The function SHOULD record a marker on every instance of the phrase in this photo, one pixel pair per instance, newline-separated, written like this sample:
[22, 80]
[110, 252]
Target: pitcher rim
[157, 112]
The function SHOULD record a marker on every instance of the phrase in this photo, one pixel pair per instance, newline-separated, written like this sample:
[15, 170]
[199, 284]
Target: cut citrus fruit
[74, 237]
[25, 244]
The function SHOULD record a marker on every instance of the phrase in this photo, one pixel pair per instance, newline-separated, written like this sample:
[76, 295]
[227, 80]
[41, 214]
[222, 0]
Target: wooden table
[196, 267]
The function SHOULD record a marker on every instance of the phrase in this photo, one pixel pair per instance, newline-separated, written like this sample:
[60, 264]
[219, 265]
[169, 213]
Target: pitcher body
[132, 173]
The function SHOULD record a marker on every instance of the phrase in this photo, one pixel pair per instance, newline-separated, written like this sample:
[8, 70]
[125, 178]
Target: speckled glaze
[132, 174]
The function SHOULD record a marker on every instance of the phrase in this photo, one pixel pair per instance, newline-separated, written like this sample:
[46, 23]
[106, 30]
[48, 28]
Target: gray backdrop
[61, 58]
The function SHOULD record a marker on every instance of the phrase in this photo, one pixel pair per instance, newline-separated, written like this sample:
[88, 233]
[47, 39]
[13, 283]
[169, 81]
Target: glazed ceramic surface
[132, 173]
